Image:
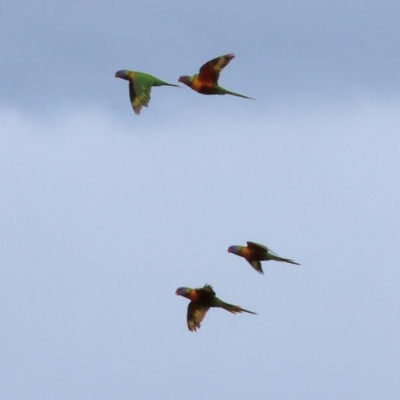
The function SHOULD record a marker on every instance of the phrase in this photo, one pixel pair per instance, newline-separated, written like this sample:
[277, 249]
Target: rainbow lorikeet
[254, 253]
[201, 301]
[206, 81]
[140, 85]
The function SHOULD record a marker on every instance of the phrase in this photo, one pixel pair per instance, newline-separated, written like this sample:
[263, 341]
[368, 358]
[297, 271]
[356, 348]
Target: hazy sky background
[104, 213]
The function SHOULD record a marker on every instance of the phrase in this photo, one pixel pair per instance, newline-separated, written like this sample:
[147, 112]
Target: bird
[206, 81]
[140, 85]
[254, 253]
[202, 299]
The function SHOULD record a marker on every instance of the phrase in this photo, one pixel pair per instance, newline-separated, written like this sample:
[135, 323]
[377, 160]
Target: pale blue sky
[106, 213]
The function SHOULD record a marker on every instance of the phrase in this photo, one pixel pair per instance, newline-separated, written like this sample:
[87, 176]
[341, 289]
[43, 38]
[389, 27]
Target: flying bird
[254, 253]
[206, 81]
[140, 85]
[201, 301]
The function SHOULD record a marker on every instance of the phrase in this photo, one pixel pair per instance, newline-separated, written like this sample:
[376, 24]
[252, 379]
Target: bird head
[184, 79]
[235, 249]
[183, 291]
[123, 74]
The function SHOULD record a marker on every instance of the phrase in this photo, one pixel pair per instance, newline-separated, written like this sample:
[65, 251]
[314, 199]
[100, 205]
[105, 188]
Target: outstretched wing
[195, 315]
[257, 246]
[209, 72]
[260, 247]
[208, 289]
[139, 93]
[270, 255]
[256, 265]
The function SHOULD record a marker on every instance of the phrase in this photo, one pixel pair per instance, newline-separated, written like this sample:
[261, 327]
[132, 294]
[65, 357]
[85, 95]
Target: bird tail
[230, 307]
[159, 82]
[225, 91]
[276, 258]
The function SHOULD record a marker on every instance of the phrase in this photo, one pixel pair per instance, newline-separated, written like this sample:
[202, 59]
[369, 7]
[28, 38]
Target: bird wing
[260, 247]
[209, 72]
[139, 93]
[257, 246]
[208, 288]
[195, 315]
[256, 265]
[269, 253]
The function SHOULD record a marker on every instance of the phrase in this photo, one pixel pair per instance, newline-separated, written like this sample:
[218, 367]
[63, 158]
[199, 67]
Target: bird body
[202, 299]
[140, 85]
[254, 253]
[206, 81]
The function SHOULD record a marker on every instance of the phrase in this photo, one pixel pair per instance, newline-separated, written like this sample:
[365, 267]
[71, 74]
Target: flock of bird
[205, 82]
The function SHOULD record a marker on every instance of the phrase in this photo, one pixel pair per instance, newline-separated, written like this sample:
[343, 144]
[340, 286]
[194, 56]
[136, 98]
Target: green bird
[254, 253]
[140, 85]
[206, 81]
[202, 299]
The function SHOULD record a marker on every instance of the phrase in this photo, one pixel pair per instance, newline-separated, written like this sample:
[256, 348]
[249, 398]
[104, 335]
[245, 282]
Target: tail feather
[159, 82]
[225, 91]
[230, 307]
[285, 260]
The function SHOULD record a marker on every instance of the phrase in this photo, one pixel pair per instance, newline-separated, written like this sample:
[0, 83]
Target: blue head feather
[185, 79]
[234, 249]
[122, 74]
[182, 291]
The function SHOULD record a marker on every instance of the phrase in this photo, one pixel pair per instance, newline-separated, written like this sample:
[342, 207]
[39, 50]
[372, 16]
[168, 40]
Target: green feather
[140, 85]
